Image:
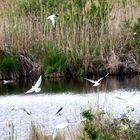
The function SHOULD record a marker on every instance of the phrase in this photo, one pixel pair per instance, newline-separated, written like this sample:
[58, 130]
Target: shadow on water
[73, 85]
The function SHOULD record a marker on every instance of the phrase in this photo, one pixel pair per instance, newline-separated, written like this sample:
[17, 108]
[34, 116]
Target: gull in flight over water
[52, 19]
[53, 117]
[64, 125]
[35, 88]
[98, 82]
[121, 99]
[67, 123]
[8, 81]
[22, 108]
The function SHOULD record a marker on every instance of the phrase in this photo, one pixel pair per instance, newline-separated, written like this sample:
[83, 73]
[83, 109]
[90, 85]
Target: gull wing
[30, 90]
[37, 84]
[51, 18]
[48, 17]
[92, 81]
[103, 77]
[53, 21]
[120, 98]
[59, 110]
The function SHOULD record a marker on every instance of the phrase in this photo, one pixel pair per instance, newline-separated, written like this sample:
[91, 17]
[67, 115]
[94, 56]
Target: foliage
[8, 63]
[82, 33]
[87, 114]
[99, 127]
[54, 60]
[136, 32]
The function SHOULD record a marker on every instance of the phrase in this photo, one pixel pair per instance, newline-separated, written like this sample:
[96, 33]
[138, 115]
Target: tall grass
[97, 126]
[85, 30]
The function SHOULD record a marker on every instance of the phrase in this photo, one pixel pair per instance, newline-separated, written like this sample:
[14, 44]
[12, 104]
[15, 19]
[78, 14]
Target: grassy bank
[97, 126]
[90, 36]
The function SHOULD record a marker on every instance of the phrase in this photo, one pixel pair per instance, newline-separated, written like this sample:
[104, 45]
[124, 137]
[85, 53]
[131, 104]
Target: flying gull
[53, 117]
[98, 82]
[35, 88]
[52, 19]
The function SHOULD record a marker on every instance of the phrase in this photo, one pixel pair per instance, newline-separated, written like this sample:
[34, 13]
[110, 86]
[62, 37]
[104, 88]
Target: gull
[35, 88]
[67, 123]
[22, 108]
[58, 110]
[8, 81]
[52, 19]
[53, 117]
[28, 112]
[62, 125]
[120, 98]
[96, 83]
[59, 127]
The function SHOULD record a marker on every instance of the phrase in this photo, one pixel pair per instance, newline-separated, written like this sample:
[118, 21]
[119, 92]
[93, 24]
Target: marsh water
[114, 96]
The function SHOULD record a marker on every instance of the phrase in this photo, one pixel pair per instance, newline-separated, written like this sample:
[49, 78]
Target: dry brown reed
[84, 29]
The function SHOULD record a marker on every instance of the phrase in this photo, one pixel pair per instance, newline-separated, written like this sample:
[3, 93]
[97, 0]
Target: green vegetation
[97, 126]
[54, 60]
[8, 63]
[136, 31]
[87, 35]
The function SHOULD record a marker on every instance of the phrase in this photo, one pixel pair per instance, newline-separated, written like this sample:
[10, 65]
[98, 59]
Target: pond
[115, 96]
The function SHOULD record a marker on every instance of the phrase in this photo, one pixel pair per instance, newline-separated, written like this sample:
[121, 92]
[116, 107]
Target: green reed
[85, 30]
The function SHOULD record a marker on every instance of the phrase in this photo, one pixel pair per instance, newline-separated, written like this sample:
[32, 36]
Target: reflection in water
[75, 85]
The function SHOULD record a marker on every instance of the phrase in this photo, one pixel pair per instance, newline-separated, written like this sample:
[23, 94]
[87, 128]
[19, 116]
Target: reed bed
[85, 30]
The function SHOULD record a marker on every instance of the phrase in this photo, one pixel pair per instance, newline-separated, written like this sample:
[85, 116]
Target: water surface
[115, 96]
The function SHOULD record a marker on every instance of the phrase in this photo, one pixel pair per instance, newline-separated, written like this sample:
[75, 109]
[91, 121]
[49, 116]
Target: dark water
[74, 85]
[115, 96]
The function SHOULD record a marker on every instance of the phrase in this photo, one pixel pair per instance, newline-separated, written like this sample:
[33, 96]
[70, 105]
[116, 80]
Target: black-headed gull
[35, 88]
[53, 117]
[121, 99]
[22, 108]
[8, 81]
[52, 19]
[96, 83]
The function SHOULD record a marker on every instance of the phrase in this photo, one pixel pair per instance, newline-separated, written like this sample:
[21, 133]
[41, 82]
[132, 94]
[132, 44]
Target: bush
[97, 127]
